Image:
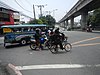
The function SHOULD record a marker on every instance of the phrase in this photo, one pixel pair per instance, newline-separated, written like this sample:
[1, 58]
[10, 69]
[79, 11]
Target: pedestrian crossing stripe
[56, 66]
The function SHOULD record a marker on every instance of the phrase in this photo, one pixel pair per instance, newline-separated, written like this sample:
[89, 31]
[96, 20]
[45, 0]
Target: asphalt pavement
[3, 65]
[1, 40]
[82, 60]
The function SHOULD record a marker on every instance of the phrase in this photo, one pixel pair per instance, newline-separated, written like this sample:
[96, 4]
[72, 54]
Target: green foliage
[49, 20]
[43, 18]
[39, 21]
[36, 21]
[97, 16]
[91, 19]
[94, 19]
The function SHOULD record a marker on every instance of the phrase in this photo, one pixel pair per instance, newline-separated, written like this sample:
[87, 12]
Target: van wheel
[23, 42]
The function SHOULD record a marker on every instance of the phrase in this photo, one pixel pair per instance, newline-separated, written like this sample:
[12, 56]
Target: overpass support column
[66, 23]
[84, 16]
[72, 22]
[61, 24]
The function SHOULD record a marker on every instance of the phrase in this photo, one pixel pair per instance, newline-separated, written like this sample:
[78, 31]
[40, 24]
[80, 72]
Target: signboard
[7, 30]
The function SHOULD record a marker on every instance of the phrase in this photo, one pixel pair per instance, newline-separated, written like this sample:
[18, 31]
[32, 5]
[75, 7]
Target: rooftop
[5, 6]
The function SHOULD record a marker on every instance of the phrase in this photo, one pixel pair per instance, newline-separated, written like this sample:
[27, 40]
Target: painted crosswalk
[56, 66]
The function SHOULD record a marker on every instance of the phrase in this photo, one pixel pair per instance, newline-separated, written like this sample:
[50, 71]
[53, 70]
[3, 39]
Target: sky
[60, 7]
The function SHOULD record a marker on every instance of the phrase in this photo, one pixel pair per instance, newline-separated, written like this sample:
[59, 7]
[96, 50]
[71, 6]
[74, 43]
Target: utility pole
[34, 11]
[40, 6]
[54, 12]
[49, 12]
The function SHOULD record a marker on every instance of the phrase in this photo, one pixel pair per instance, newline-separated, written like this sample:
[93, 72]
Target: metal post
[34, 11]
[40, 6]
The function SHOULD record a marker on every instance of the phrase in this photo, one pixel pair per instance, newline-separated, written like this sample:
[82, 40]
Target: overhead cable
[22, 7]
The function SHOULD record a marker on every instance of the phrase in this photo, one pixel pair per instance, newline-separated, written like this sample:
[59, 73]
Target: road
[84, 59]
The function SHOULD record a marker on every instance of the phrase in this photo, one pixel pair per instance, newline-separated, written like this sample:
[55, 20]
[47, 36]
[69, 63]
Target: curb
[13, 70]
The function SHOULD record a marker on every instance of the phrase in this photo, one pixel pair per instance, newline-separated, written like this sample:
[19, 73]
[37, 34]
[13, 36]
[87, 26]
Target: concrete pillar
[84, 16]
[62, 24]
[66, 24]
[72, 22]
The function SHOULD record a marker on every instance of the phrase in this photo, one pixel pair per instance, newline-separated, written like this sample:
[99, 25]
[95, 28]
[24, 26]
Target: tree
[91, 19]
[49, 20]
[94, 19]
[36, 21]
[97, 16]
[43, 18]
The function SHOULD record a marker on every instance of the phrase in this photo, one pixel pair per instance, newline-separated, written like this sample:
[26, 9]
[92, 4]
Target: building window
[4, 17]
[16, 20]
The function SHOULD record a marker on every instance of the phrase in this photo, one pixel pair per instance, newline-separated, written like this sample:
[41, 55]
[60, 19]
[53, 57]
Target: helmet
[37, 30]
[57, 29]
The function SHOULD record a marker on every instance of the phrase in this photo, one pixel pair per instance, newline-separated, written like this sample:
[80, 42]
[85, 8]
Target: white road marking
[55, 66]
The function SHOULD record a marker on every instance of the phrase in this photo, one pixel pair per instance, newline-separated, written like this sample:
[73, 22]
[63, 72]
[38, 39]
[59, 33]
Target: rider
[37, 37]
[57, 38]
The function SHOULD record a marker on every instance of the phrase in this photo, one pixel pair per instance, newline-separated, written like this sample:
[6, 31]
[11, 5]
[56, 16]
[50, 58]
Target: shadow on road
[15, 46]
[96, 32]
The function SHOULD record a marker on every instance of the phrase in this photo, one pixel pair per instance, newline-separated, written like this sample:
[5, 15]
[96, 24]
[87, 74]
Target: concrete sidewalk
[8, 69]
[3, 70]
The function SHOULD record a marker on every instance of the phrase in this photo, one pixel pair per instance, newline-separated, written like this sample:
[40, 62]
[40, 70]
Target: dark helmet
[57, 28]
[37, 30]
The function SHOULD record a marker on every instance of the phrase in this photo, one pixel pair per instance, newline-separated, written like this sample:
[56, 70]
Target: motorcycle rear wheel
[33, 46]
[54, 49]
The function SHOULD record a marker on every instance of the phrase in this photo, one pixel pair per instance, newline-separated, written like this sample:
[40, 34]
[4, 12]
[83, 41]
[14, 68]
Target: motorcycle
[43, 44]
[66, 46]
[89, 29]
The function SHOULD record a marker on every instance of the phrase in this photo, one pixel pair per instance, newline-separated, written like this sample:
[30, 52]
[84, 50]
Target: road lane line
[81, 45]
[85, 40]
[55, 66]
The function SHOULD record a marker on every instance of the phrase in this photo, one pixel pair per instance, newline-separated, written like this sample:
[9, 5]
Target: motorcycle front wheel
[67, 47]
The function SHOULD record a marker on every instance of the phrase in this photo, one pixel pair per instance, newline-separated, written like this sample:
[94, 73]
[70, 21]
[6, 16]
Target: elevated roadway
[82, 7]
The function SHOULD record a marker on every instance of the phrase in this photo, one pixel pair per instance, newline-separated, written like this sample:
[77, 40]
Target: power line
[33, 8]
[22, 7]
